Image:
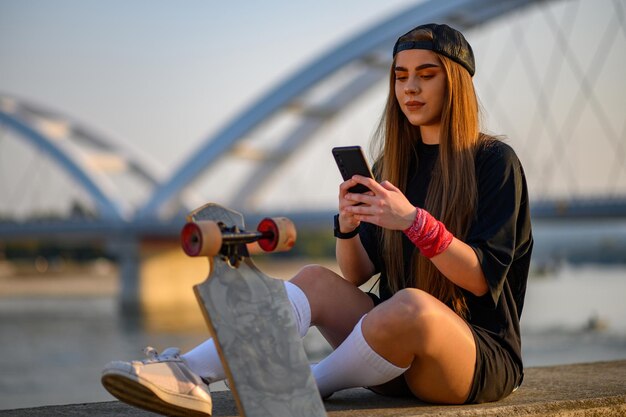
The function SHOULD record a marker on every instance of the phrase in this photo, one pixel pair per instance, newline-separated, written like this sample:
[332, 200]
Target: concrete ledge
[594, 389]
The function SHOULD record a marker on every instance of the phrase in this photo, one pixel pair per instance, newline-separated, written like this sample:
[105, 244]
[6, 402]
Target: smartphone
[351, 161]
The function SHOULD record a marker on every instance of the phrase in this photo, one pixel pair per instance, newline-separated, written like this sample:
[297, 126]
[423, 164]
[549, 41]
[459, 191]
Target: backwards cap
[446, 41]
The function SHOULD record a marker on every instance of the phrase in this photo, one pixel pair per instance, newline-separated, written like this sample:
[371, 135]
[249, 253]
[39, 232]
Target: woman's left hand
[387, 207]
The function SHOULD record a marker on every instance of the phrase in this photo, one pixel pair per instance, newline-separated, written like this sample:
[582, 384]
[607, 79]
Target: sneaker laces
[150, 352]
[172, 355]
[153, 355]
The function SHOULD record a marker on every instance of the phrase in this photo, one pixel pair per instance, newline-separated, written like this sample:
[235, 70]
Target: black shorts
[496, 375]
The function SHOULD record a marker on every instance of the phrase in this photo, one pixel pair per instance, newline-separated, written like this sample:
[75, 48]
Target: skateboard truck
[210, 238]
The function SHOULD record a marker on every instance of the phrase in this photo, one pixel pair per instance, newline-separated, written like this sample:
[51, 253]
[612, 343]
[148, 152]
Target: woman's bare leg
[411, 329]
[337, 309]
[336, 304]
[415, 329]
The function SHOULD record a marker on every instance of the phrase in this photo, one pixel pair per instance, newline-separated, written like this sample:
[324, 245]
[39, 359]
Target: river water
[53, 348]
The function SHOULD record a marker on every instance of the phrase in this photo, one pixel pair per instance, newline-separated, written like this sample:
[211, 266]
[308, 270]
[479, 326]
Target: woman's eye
[401, 77]
[427, 76]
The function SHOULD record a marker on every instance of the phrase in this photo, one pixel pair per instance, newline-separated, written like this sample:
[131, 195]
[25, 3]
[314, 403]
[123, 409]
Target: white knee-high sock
[204, 359]
[353, 364]
[300, 306]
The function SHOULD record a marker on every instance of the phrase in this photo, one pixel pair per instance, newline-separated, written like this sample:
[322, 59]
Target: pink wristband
[429, 235]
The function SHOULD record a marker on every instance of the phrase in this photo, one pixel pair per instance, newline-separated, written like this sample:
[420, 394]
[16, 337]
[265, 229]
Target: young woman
[446, 224]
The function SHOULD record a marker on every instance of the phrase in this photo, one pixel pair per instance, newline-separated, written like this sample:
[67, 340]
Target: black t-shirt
[500, 235]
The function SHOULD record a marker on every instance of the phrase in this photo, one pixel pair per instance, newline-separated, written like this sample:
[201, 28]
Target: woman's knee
[410, 306]
[314, 278]
[409, 312]
[412, 298]
[330, 295]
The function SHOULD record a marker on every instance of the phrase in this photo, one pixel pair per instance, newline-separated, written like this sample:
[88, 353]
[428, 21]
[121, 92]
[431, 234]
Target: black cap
[446, 41]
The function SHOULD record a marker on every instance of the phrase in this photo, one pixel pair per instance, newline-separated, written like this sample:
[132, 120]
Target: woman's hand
[384, 206]
[347, 221]
[354, 262]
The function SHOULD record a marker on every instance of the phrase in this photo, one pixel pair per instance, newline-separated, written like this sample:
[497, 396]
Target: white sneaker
[162, 383]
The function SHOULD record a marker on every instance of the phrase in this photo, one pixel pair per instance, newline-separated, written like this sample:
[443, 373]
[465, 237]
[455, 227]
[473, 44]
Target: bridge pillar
[126, 250]
[167, 275]
[156, 282]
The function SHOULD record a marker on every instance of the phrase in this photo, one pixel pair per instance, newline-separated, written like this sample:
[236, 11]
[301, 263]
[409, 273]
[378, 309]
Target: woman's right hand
[354, 263]
[347, 221]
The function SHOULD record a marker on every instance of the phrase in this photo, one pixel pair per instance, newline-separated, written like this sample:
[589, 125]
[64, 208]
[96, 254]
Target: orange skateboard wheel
[201, 238]
[279, 234]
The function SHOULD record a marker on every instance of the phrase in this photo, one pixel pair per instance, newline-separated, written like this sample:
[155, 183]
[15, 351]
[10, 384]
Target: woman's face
[420, 86]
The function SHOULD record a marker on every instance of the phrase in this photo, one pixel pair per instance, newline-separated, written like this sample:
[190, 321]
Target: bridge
[561, 102]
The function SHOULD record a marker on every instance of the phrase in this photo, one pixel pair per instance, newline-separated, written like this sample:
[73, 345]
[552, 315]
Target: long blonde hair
[452, 193]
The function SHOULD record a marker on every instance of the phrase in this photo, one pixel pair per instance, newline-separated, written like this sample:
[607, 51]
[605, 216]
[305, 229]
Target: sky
[163, 76]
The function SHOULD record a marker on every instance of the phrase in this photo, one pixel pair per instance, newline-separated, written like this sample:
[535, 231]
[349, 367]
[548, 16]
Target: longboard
[249, 315]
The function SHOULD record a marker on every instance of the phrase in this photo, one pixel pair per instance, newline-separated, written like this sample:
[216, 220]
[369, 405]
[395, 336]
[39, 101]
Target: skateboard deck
[250, 317]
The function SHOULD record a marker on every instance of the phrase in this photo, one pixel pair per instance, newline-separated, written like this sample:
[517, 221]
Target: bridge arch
[80, 152]
[368, 49]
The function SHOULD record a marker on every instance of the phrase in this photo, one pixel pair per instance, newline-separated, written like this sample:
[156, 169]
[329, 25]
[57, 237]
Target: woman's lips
[413, 105]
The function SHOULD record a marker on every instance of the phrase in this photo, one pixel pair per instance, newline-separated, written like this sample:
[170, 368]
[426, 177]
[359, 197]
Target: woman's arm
[354, 262]
[460, 265]
[356, 266]
[387, 207]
